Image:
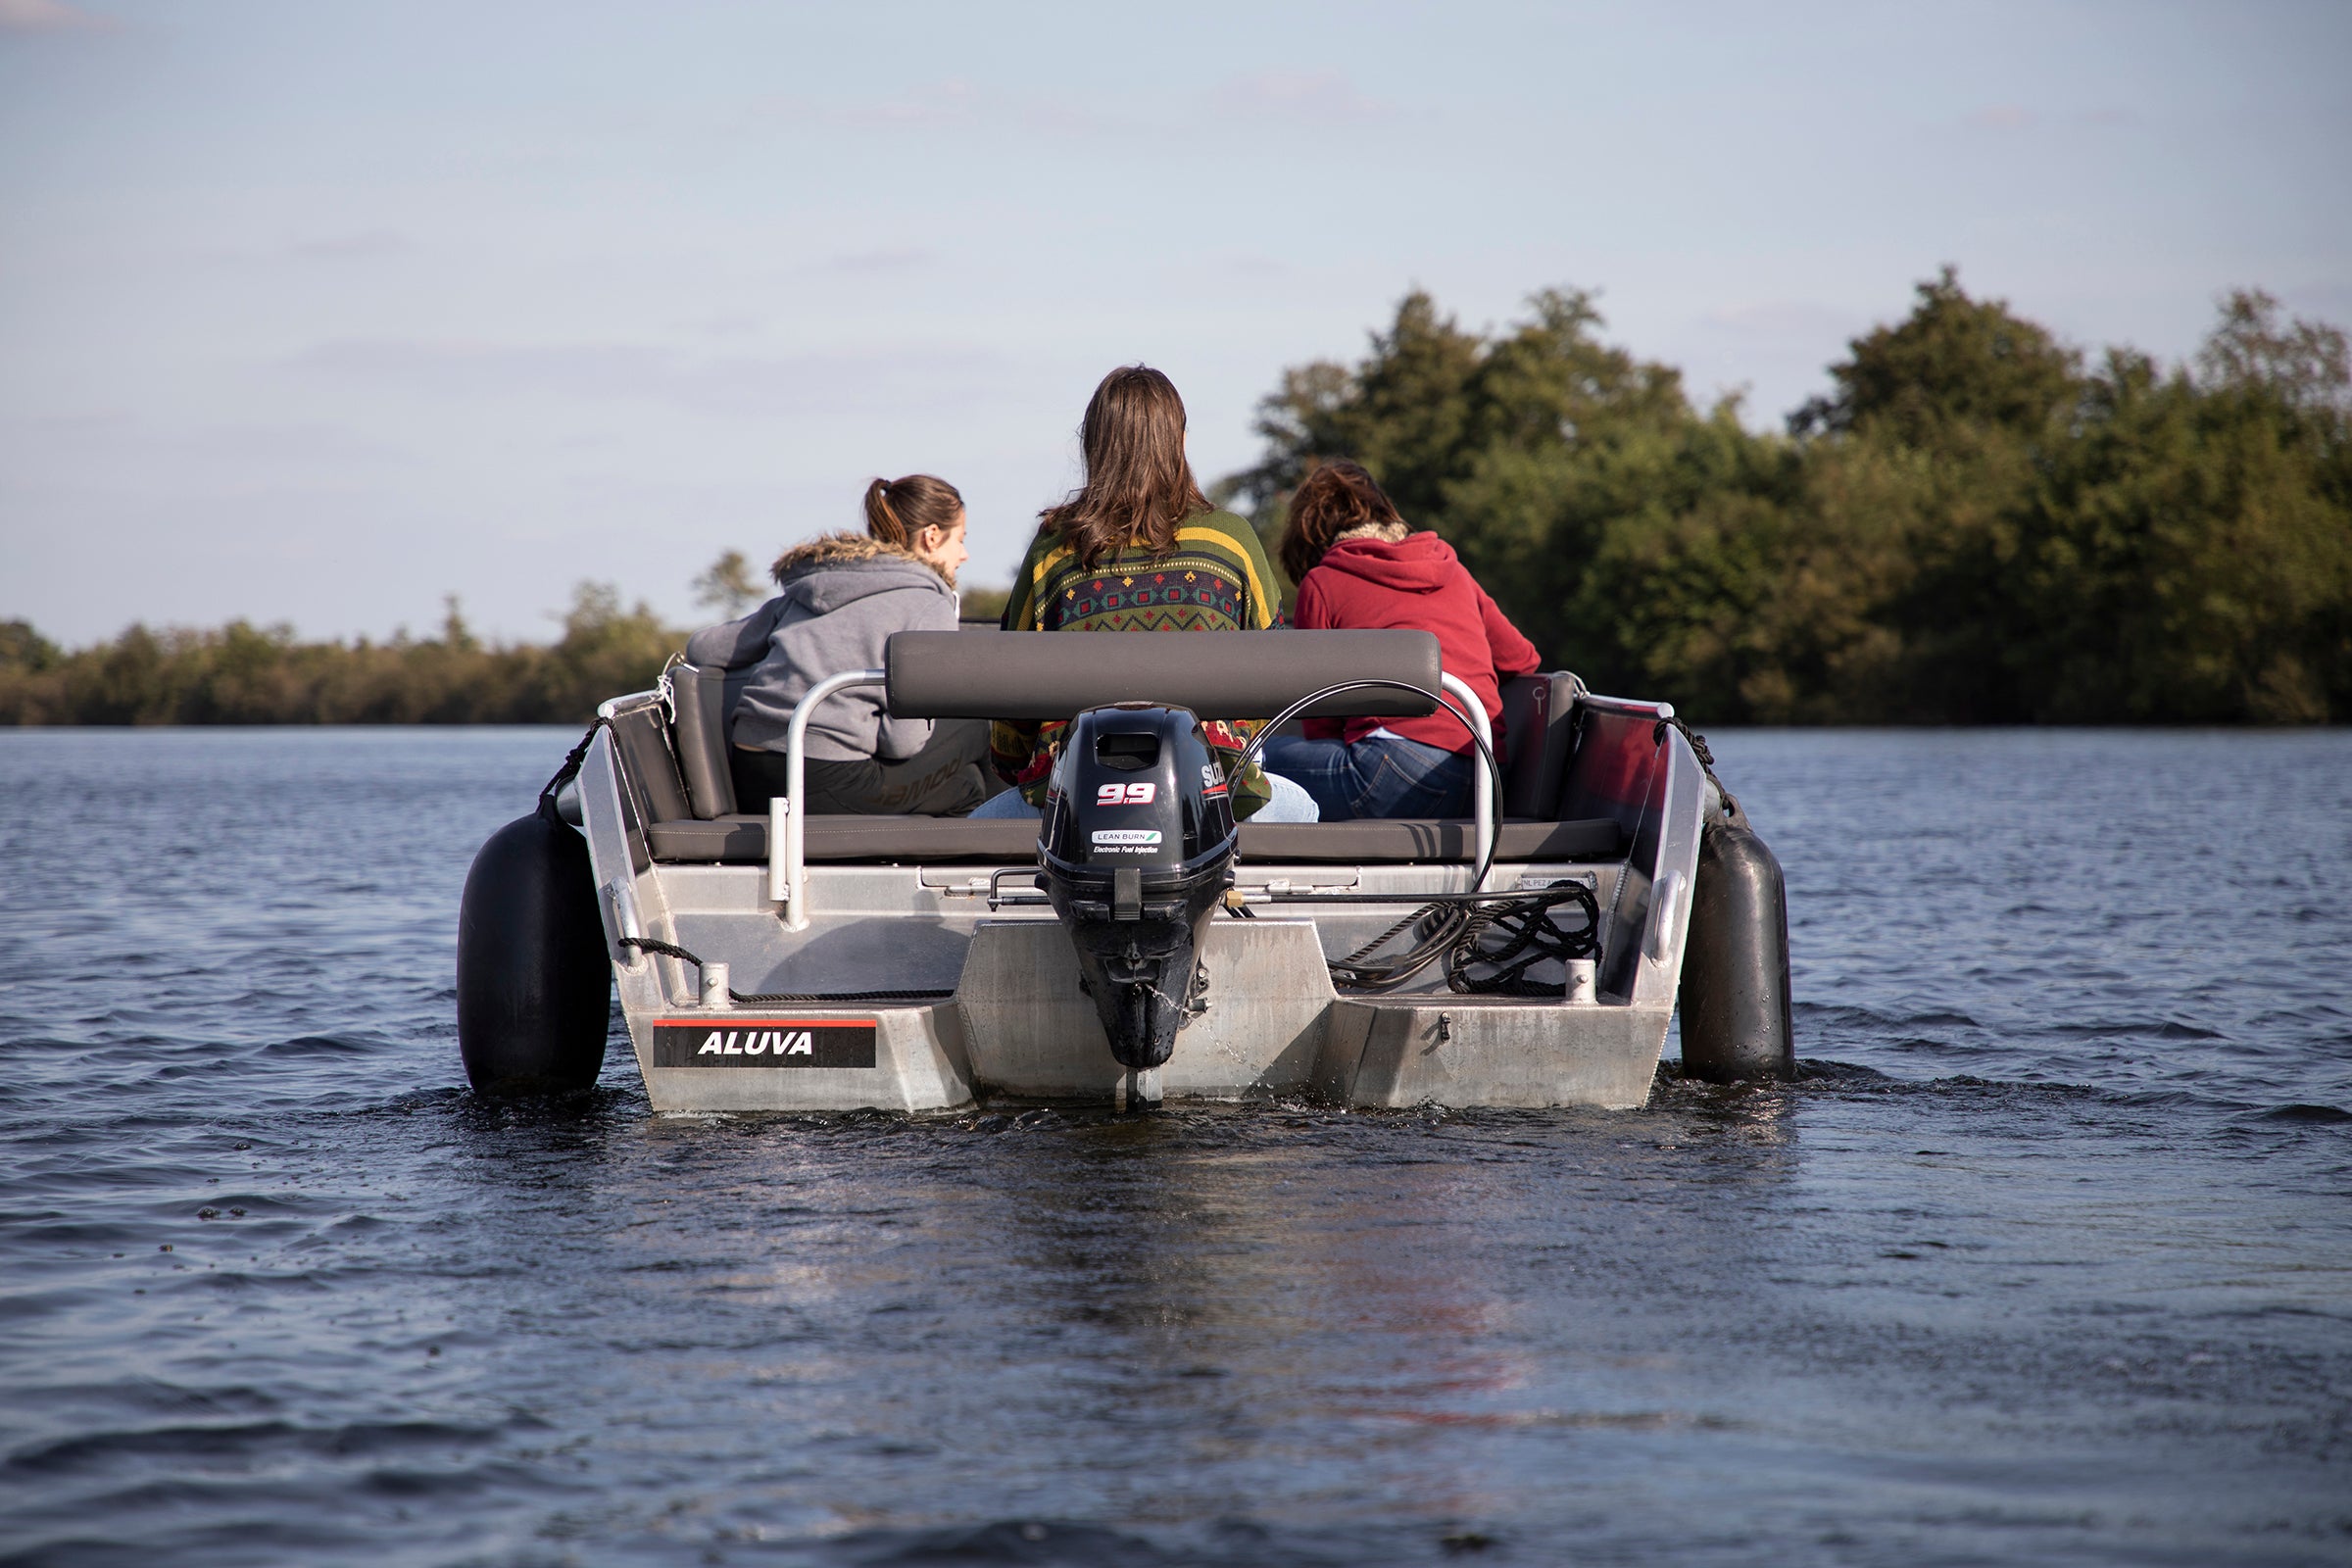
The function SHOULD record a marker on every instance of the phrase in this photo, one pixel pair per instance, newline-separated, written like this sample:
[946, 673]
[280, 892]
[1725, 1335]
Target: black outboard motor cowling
[1136, 846]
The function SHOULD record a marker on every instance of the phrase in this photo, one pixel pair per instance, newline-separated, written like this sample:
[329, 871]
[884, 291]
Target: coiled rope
[1490, 940]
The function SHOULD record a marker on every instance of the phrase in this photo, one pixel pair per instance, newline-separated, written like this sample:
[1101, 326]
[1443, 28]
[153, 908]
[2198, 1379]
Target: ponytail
[896, 510]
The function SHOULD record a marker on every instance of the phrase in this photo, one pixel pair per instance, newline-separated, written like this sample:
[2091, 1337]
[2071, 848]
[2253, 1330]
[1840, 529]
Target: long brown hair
[1137, 484]
[1335, 499]
[896, 510]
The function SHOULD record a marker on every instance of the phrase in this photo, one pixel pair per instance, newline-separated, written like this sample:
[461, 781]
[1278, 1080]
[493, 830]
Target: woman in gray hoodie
[839, 598]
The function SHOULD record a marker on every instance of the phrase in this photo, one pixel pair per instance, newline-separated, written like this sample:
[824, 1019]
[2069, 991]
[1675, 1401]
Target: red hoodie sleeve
[1310, 614]
[1513, 653]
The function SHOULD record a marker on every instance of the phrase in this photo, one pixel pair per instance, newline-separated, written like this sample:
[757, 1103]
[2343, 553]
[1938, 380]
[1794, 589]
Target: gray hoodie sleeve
[738, 643]
[911, 609]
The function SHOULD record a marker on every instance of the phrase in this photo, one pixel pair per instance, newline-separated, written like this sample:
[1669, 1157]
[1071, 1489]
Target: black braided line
[1358, 973]
[764, 998]
[1706, 758]
[1524, 921]
[1521, 952]
[570, 768]
[651, 945]
[1532, 938]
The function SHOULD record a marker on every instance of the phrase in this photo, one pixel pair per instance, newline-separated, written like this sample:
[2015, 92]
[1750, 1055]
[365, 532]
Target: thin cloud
[1782, 318]
[1311, 97]
[48, 15]
[886, 258]
[725, 324]
[811, 383]
[946, 103]
[952, 102]
[2008, 119]
[343, 247]
[2001, 116]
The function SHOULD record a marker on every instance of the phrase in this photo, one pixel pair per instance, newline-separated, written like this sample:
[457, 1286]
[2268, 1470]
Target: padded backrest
[649, 778]
[701, 698]
[1224, 674]
[1539, 715]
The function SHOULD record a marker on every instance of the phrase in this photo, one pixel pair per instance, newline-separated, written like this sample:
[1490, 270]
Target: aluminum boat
[1530, 954]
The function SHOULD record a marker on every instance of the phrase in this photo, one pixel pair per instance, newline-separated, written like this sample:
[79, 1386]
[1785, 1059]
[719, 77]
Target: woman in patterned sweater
[1139, 548]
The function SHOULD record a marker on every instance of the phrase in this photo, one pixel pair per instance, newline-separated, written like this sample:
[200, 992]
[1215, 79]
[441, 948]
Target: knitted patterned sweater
[1215, 579]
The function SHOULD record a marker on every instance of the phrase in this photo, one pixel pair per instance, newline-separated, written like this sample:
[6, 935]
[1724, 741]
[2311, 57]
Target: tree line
[1978, 523]
[246, 674]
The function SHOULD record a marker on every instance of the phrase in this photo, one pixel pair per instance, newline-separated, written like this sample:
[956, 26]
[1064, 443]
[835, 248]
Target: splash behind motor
[1136, 846]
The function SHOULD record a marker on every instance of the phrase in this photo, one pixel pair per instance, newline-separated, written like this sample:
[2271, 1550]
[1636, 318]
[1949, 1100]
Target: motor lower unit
[1137, 848]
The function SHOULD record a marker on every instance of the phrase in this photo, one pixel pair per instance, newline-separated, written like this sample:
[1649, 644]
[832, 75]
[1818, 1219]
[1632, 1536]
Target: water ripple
[2045, 1257]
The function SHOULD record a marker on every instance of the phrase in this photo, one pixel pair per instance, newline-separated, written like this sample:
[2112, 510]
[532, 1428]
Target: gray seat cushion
[947, 840]
[1232, 674]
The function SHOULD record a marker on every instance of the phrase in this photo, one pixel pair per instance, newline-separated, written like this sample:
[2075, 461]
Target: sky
[317, 314]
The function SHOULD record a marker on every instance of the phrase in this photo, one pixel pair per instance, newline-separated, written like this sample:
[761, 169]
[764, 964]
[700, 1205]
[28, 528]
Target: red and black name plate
[763, 1042]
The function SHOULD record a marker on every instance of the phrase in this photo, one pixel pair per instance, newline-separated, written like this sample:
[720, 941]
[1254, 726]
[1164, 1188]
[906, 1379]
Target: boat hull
[985, 998]
[1018, 1027]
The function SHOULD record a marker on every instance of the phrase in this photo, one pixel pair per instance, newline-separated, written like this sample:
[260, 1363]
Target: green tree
[1534, 452]
[605, 652]
[1954, 365]
[1973, 526]
[728, 588]
[23, 648]
[2187, 555]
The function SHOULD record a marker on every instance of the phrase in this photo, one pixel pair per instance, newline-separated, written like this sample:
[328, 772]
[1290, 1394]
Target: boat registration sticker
[763, 1042]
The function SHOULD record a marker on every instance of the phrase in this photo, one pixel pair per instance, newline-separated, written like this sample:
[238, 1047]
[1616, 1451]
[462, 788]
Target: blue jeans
[1289, 804]
[1380, 776]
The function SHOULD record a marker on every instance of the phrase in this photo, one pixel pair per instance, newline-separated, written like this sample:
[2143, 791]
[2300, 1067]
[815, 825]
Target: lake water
[2047, 1259]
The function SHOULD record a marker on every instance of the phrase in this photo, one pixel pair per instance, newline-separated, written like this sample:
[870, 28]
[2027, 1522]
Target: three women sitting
[1137, 548]
[838, 598]
[1357, 565]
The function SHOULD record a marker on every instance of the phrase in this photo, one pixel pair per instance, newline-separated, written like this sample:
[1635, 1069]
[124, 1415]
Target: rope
[768, 999]
[1444, 919]
[1459, 927]
[1706, 758]
[570, 768]
[1357, 972]
[1529, 938]
[764, 998]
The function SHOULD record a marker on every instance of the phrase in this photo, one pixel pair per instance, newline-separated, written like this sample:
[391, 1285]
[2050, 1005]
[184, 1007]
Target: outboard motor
[1136, 846]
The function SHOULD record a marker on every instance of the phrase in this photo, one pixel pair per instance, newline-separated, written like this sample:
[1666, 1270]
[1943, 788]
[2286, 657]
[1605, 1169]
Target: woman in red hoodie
[1357, 565]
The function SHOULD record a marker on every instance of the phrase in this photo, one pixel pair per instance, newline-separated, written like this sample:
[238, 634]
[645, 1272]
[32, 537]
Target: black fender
[1735, 991]
[534, 977]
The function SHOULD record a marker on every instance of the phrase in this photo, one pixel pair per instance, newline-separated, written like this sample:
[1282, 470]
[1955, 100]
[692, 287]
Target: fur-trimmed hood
[831, 550]
[839, 601]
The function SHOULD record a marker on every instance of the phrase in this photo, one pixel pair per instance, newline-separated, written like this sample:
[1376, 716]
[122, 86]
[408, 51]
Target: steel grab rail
[787, 853]
[787, 857]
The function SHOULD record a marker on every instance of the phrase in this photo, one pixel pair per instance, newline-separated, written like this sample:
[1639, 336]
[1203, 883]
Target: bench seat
[738, 839]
